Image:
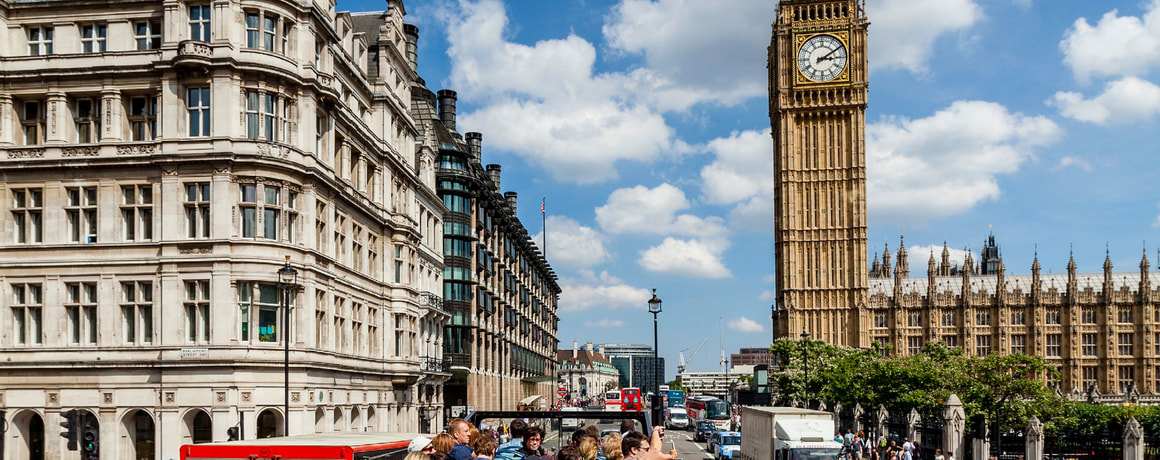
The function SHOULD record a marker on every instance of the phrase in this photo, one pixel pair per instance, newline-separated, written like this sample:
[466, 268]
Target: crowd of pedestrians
[520, 441]
[873, 446]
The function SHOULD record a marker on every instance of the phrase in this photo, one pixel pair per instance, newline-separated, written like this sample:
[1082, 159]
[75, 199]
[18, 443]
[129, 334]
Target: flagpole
[544, 226]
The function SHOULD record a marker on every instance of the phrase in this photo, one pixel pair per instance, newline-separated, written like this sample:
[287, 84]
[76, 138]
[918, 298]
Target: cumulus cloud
[654, 211]
[767, 296]
[1115, 46]
[922, 254]
[728, 38]
[947, 163]
[1071, 161]
[590, 290]
[744, 324]
[904, 31]
[741, 175]
[692, 258]
[545, 103]
[571, 244]
[1025, 4]
[1125, 100]
[604, 323]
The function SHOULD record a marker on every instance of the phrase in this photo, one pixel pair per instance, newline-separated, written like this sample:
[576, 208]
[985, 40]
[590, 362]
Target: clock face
[822, 58]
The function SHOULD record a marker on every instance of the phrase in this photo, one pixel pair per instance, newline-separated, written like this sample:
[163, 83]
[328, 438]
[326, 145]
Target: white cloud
[1123, 101]
[604, 323]
[728, 38]
[921, 254]
[571, 244]
[1156, 224]
[691, 258]
[742, 169]
[1116, 46]
[1025, 4]
[654, 211]
[545, 103]
[767, 296]
[744, 324]
[599, 291]
[1069, 161]
[904, 31]
[947, 163]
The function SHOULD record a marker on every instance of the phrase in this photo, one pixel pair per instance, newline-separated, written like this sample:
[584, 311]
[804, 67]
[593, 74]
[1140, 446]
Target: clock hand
[827, 56]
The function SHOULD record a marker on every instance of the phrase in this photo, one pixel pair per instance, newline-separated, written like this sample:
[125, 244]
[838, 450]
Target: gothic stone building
[1101, 331]
[160, 162]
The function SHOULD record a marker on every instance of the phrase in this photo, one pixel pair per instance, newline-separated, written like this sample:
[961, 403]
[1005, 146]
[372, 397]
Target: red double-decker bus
[630, 400]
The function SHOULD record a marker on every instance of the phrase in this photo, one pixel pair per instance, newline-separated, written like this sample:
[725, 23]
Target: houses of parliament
[1100, 331]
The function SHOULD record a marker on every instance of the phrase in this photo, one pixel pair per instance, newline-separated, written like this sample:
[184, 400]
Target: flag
[542, 202]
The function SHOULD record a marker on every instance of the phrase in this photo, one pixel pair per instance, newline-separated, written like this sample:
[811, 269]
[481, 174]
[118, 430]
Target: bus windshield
[717, 410]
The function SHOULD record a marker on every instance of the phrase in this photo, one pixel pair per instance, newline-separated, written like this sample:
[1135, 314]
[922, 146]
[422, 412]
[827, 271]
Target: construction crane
[682, 364]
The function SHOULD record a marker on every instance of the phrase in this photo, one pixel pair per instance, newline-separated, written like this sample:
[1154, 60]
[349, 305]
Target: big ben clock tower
[817, 108]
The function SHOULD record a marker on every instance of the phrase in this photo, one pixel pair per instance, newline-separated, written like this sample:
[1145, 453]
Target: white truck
[787, 433]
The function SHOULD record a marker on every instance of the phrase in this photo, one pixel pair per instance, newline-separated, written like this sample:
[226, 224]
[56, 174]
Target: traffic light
[70, 426]
[89, 443]
[232, 432]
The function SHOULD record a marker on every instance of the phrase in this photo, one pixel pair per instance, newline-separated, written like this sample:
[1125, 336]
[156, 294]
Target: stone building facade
[161, 161]
[500, 290]
[586, 372]
[1100, 331]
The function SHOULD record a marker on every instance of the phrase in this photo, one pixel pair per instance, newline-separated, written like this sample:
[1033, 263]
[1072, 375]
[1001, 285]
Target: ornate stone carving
[80, 151]
[295, 397]
[108, 398]
[246, 397]
[273, 150]
[221, 396]
[136, 149]
[26, 153]
[170, 397]
[195, 48]
[53, 398]
[195, 250]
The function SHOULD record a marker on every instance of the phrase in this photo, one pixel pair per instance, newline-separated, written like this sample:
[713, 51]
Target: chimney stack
[511, 199]
[493, 172]
[575, 348]
[475, 144]
[412, 33]
[447, 108]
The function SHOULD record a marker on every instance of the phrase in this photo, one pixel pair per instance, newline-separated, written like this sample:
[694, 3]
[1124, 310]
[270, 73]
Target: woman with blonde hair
[587, 448]
[611, 445]
[443, 442]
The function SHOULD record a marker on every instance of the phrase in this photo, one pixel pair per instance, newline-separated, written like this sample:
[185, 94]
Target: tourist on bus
[443, 442]
[532, 449]
[634, 445]
[485, 449]
[460, 431]
[611, 444]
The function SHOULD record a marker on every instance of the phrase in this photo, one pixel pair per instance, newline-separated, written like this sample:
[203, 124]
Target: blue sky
[645, 126]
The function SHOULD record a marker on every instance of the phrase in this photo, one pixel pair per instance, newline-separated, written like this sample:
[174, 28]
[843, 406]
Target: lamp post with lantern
[287, 280]
[805, 366]
[654, 307]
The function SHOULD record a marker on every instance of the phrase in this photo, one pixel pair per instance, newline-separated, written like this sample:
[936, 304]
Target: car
[677, 421]
[711, 444]
[704, 430]
[727, 445]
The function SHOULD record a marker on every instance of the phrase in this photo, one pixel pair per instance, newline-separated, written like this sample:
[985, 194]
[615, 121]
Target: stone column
[1133, 440]
[954, 422]
[56, 117]
[7, 127]
[113, 127]
[1033, 439]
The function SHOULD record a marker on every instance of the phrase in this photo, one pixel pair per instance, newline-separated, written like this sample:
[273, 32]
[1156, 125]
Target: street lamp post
[654, 307]
[805, 366]
[287, 280]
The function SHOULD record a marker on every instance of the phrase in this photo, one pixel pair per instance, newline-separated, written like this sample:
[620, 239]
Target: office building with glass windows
[161, 162]
[499, 288]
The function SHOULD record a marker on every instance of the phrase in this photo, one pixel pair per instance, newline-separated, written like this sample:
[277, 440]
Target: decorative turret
[1072, 284]
[886, 261]
[1036, 281]
[989, 256]
[931, 268]
[902, 271]
[874, 267]
[946, 260]
[1000, 281]
[1109, 282]
[968, 269]
[1145, 284]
